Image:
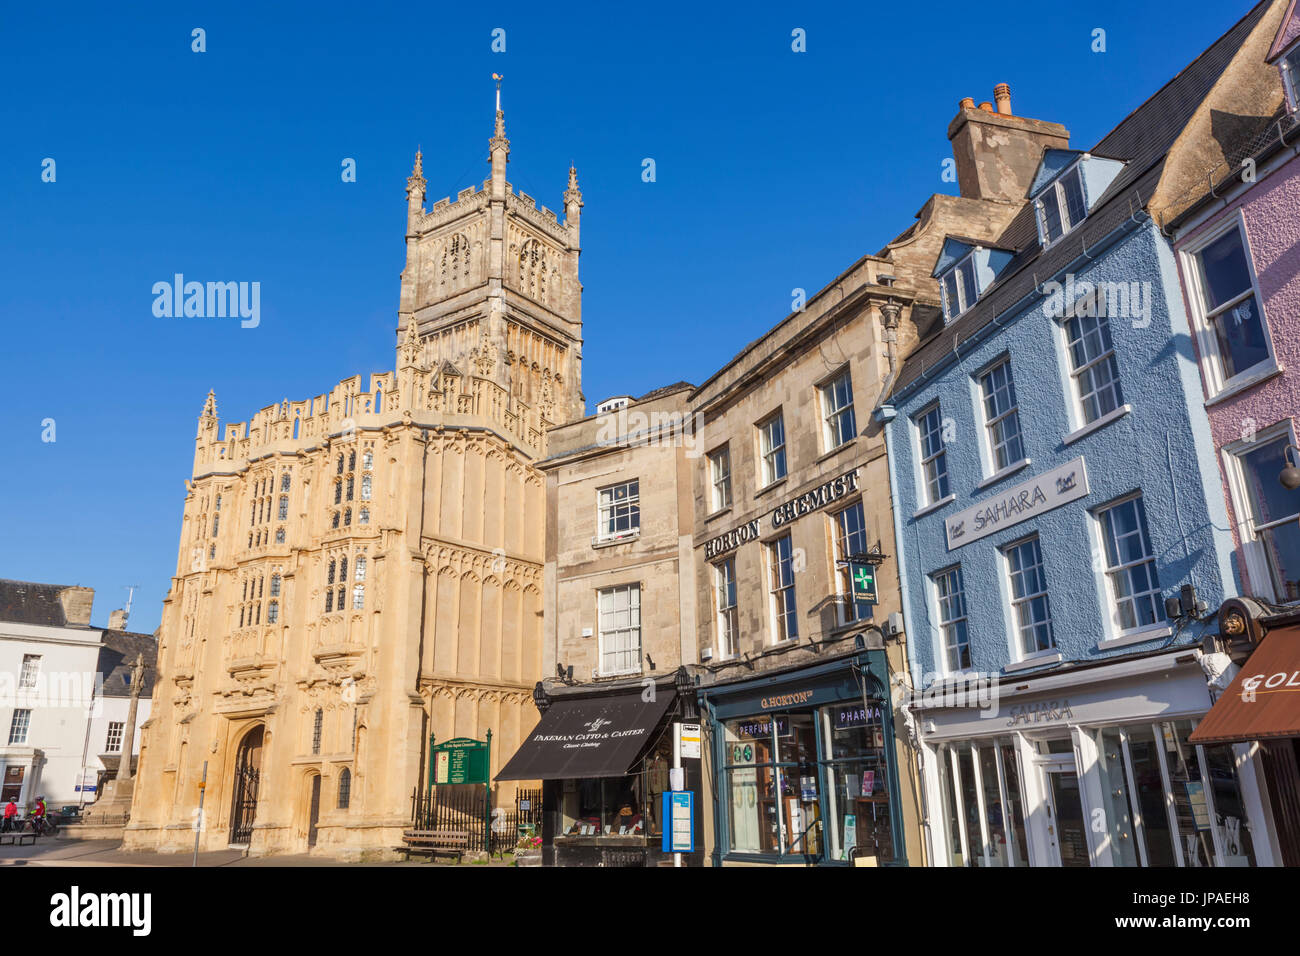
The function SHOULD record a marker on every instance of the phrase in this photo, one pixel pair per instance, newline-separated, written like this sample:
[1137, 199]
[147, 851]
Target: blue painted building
[1054, 484]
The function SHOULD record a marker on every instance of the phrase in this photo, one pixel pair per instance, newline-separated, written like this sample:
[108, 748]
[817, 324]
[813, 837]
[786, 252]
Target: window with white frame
[620, 510]
[1031, 614]
[724, 589]
[113, 744]
[958, 288]
[1131, 578]
[720, 477]
[950, 595]
[934, 457]
[619, 613]
[839, 423]
[18, 726]
[1291, 77]
[1270, 515]
[771, 446]
[850, 541]
[1093, 368]
[1227, 305]
[780, 567]
[31, 668]
[1002, 416]
[1061, 206]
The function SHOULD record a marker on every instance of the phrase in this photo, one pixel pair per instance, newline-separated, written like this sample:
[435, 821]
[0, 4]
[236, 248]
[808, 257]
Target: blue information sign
[679, 821]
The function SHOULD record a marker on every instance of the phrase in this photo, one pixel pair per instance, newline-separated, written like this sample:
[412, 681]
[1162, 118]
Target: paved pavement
[82, 853]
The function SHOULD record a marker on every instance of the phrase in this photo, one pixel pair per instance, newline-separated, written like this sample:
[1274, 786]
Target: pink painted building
[1238, 246]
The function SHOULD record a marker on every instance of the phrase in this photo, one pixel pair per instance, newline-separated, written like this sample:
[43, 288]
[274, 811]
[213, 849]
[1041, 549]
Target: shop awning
[588, 737]
[1263, 700]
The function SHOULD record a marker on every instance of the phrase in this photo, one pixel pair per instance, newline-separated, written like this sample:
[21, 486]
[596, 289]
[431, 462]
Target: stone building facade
[363, 569]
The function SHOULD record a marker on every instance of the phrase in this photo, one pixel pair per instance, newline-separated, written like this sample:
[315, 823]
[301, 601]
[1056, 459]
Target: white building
[63, 688]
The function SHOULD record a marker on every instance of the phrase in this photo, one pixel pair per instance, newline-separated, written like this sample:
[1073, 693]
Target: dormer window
[958, 285]
[965, 268]
[1061, 206]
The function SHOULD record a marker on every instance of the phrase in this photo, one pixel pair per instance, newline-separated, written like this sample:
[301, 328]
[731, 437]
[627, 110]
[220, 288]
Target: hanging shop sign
[1029, 499]
[862, 576]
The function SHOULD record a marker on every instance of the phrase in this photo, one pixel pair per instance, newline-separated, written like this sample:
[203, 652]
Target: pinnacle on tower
[210, 405]
[573, 193]
[416, 182]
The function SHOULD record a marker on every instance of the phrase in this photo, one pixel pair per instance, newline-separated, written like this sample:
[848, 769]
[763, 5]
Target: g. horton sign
[810, 501]
[1018, 503]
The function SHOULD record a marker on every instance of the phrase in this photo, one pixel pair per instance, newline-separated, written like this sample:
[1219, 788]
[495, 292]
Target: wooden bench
[20, 835]
[434, 842]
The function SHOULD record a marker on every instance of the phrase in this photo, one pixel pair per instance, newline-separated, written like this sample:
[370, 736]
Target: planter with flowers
[528, 851]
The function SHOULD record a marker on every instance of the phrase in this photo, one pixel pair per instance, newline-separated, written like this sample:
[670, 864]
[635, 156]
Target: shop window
[1191, 801]
[1149, 795]
[983, 806]
[619, 807]
[813, 784]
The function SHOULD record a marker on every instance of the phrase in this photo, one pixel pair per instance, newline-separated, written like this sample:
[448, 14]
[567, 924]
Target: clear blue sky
[775, 169]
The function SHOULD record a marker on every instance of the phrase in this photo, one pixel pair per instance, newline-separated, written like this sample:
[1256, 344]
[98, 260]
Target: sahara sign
[1029, 499]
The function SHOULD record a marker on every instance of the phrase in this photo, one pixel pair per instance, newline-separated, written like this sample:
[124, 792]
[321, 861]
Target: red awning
[1263, 700]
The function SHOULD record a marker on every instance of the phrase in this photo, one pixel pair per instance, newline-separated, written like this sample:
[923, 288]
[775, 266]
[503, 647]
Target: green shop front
[803, 768]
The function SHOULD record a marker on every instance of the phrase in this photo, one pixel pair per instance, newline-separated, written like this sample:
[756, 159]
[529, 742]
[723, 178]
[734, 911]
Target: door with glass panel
[1066, 821]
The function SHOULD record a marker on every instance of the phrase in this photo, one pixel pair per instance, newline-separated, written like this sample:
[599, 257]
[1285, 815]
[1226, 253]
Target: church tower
[362, 571]
[491, 285]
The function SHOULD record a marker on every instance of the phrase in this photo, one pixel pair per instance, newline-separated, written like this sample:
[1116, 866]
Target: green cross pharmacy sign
[863, 576]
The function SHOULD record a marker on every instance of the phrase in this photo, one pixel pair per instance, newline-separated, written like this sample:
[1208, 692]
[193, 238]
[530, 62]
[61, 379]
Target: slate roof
[117, 657]
[1142, 141]
[26, 602]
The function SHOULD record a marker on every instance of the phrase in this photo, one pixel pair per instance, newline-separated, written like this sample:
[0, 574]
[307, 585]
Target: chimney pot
[967, 103]
[1002, 94]
[986, 106]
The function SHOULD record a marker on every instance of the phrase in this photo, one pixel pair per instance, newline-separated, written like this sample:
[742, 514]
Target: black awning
[589, 737]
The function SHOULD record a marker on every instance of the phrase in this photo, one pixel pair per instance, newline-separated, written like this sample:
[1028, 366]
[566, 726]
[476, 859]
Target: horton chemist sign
[460, 761]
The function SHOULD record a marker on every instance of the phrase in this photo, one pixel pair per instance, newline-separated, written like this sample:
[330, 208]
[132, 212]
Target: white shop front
[1089, 767]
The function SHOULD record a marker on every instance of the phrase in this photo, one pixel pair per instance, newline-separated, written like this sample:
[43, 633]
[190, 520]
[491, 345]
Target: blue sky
[775, 170]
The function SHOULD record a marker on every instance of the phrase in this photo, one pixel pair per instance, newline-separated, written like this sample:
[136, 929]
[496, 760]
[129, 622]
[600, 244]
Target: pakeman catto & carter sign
[1018, 503]
[810, 501]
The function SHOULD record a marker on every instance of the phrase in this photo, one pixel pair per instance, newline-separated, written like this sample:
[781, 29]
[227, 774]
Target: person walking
[11, 811]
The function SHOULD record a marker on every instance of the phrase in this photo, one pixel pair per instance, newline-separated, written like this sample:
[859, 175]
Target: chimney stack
[77, 602]
[997, 153]
[117, 620]
[1002, 96]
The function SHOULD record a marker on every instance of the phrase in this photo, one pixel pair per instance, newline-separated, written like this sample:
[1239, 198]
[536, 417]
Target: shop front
[605, 757]
[1094, 767]
[803, 768]
[1259, 712]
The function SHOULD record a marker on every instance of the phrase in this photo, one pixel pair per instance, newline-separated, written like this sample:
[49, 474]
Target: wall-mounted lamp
[1290, 475]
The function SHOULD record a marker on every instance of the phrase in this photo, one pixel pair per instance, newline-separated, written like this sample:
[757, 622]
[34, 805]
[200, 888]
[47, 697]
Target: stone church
[362, 569]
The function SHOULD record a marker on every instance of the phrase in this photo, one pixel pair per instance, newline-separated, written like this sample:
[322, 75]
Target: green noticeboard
[863, 576]
[460, 761]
